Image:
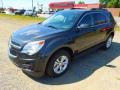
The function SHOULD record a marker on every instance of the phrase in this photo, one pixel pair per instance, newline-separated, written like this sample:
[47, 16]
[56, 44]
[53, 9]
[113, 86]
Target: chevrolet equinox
[48, 47]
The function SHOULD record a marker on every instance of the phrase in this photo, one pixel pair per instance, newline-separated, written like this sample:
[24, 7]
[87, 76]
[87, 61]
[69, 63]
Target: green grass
[117, 78]
[24, 18]
[117, 28]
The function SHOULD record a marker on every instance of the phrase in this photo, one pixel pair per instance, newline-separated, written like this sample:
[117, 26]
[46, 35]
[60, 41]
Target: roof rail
[91, 8]
[98, 9]
[78, 8]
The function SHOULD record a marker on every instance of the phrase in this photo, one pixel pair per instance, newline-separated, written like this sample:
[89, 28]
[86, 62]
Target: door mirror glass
[83, 26]
[85, 22]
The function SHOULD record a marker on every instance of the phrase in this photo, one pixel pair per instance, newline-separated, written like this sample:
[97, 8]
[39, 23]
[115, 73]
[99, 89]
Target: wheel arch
[68, 49]
[110, 34]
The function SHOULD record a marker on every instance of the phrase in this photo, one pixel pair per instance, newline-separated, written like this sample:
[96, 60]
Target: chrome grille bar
[15, 46]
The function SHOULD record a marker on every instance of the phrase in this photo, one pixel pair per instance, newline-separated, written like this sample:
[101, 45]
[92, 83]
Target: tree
[114, 4]
[81, 2]
[105, 2]
[111, 3]
[119, 3]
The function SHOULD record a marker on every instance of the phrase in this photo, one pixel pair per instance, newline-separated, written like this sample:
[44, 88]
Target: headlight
[33, 47]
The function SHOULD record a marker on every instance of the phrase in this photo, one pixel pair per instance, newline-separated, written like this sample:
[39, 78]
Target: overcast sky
[26, 4]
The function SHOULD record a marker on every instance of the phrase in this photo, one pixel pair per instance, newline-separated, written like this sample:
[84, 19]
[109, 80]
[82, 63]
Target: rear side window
[99, 18]
[87, 19]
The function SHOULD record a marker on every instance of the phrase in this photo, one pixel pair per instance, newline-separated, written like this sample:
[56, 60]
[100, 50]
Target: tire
[108, 42]
[58, 63]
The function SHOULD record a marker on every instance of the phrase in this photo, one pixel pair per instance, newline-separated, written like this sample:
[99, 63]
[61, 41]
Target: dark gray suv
[48, 47]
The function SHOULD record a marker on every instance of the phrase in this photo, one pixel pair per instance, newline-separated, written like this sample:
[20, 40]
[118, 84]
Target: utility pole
[2, 3]
[32, 5]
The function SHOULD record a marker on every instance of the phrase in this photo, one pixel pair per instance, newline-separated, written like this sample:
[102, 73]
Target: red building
[97, 5]
[61, 5]
[71, 4]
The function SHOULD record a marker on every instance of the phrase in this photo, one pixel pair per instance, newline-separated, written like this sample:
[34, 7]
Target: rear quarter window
[112, 19]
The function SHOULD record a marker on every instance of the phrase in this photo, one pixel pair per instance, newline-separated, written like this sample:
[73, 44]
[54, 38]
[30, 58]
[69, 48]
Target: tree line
[111, 3]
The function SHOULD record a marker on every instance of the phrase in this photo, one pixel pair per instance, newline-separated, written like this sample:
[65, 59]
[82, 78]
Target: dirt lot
[99, 70]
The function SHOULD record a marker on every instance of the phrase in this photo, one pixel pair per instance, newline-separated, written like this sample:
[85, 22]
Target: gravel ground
[98, 70]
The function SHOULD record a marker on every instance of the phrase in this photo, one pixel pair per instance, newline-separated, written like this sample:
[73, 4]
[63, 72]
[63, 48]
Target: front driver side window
[86, 20]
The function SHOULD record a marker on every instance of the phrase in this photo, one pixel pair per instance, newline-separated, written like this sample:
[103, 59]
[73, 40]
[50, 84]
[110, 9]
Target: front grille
[14, 48]
[13, 52]
[15, 45]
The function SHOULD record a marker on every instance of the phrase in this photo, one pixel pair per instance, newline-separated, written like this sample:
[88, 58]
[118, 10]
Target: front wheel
[58, 63]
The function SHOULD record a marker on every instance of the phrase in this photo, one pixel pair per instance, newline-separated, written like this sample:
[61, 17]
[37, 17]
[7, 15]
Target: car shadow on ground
[85, 65]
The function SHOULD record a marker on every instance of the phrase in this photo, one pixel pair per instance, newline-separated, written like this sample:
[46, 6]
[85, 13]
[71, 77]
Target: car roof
[85, 10]
[75, 10]
[81, 12]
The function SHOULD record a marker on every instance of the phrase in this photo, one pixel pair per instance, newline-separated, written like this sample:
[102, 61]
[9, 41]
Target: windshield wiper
[52, 26]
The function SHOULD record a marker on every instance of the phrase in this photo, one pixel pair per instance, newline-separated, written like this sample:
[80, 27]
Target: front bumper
[32, 67]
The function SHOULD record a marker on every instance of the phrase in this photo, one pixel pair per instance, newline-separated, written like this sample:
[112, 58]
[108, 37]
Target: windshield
[62, 20]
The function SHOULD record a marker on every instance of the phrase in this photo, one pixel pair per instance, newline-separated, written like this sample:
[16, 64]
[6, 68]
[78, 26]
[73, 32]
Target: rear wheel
[108, 42]
[58, 63]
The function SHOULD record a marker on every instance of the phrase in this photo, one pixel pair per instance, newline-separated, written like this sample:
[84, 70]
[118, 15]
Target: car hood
[32, 32]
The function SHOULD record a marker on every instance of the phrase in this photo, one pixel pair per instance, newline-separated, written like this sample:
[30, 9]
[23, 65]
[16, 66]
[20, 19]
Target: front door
[85, 36]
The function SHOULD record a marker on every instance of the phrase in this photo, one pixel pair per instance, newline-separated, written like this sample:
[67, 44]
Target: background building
[71, 4]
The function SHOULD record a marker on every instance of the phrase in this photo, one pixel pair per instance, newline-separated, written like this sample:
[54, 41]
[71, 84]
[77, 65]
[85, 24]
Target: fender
[56, 44]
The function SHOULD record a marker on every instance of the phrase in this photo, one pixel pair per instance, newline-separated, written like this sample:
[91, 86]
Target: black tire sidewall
[105, 46]
[49, 69]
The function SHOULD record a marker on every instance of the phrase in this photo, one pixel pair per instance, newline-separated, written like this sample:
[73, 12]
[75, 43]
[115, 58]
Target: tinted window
[63, 20]
[99, 18]
[112, 19]
[86, 20]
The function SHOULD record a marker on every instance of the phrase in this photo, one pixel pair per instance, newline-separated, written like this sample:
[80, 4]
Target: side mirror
[83, 26]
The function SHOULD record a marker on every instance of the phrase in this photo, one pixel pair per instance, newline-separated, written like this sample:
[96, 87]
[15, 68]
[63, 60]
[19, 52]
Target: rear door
[100, 26]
